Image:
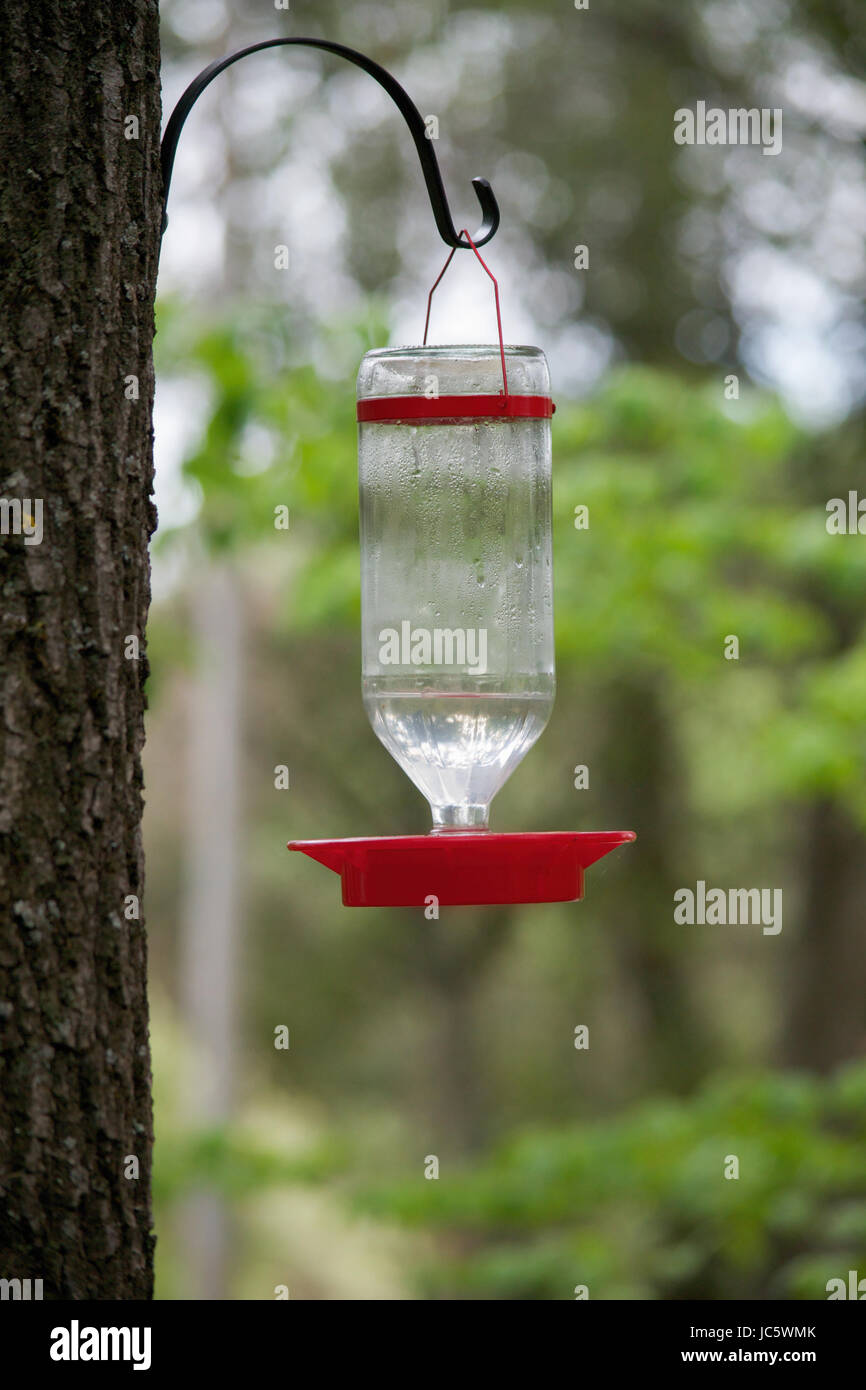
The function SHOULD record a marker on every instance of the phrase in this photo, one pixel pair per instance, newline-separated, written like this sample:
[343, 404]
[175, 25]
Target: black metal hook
[411, 115]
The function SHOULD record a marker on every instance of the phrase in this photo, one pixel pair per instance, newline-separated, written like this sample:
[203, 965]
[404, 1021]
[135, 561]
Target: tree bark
[80, 215]
[825, 1013]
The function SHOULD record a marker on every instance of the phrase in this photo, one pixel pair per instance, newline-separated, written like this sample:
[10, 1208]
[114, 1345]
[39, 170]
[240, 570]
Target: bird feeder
[458, 679]
[454, 483]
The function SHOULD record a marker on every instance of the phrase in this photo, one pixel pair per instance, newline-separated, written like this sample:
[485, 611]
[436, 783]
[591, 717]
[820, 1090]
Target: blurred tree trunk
[826, 998]
[80, 214]
[208, 973]
[209, 966]
[641, 765]
[452, 959]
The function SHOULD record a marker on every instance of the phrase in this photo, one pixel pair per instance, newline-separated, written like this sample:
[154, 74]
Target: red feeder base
[463, 868]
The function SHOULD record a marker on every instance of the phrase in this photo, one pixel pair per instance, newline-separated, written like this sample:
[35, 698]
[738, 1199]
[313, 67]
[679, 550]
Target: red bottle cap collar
[442, 410]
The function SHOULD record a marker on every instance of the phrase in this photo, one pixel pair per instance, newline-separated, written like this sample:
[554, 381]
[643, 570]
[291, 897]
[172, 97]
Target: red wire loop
[488, 272]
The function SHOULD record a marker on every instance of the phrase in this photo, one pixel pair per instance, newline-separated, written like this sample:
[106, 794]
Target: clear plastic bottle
[456, 573]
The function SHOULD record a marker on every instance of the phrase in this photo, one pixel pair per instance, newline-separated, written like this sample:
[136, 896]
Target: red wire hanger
[441, 410]
[486, 268]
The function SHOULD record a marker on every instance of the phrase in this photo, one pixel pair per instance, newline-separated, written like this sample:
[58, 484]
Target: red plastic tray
[463, 868]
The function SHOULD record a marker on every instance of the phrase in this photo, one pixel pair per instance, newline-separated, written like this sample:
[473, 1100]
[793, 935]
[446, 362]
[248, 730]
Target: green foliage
[702, 524]
[638, 1206]
[706, 519]
[277, 432]
[235, 1163]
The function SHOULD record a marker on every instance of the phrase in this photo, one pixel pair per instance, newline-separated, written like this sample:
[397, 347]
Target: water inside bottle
[458, 747]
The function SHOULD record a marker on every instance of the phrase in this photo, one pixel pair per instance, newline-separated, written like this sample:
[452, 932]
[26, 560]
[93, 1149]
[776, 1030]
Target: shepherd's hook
[411, 115]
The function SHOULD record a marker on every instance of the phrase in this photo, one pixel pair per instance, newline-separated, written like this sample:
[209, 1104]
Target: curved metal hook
[411, 115]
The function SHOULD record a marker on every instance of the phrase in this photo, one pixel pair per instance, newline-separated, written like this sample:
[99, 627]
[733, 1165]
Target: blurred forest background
[303, 1169]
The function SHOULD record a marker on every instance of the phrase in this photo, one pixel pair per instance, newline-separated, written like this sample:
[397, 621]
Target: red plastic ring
[443, 409]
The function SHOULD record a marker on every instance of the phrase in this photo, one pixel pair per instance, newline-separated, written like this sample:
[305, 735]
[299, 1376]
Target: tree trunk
[210, 919]
[647, 795]
[80, 217]
[825, 1023]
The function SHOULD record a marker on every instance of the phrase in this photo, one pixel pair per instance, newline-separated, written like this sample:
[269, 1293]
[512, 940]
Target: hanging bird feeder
[454, 462]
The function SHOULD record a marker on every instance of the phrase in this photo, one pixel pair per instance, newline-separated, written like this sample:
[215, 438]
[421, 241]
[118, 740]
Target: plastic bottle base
[464, 869]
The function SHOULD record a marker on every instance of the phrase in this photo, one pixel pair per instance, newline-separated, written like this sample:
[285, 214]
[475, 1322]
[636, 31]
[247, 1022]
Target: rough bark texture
[79, 226]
